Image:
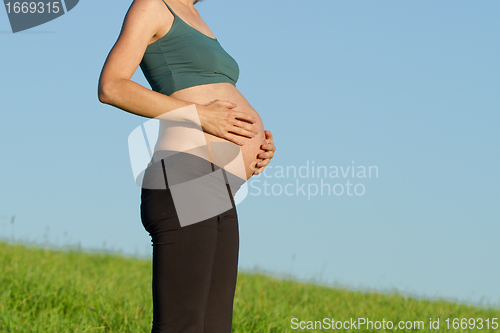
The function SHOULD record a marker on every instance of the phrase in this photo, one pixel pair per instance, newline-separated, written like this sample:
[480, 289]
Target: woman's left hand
[266, 156]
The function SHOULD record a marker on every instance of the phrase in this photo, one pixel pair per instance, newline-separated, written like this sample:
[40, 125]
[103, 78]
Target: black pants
[194, 266]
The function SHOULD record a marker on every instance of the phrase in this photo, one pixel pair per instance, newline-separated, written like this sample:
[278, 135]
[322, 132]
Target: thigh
[182, 269]
[182, 264]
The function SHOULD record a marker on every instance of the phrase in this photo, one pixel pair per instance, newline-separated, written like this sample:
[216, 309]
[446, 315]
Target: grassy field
[45, 290]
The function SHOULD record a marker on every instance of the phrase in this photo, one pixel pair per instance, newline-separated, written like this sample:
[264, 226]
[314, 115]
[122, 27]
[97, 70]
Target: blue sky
[410, 88]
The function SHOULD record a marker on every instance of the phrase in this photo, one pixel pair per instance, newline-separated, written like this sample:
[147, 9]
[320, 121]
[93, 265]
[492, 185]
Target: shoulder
[147, 13]
[148, 5]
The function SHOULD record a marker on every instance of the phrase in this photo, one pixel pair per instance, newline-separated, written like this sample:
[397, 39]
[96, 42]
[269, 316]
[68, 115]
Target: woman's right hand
[220, 119]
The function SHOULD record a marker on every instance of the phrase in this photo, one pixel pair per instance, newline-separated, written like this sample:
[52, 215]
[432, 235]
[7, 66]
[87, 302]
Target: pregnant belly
[248, 152]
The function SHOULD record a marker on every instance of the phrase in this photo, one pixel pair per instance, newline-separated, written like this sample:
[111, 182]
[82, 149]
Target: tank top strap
[173, 13]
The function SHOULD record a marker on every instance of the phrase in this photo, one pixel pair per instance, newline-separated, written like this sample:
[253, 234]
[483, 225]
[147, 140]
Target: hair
[196, 1]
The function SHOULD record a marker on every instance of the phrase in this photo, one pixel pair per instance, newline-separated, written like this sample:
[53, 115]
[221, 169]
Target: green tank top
[186, 57]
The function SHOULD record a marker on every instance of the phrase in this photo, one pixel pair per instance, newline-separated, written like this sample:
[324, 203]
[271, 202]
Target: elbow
[104, 93]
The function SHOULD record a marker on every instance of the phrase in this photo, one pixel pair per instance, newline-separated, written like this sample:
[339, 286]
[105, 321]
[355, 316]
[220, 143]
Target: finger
[227, 104]
[243, 116]
[245, 125]
[268, 146]
[262, 164]
[241, 131]
[256, 172]
[234, 138]
[258, 169]
[266, 155]
[269, 135]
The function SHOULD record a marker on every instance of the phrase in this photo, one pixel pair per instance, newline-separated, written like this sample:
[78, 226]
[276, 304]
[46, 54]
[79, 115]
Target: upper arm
[141, 23]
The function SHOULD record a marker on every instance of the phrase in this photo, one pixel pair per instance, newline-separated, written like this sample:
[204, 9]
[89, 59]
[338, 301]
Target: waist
[170, 168]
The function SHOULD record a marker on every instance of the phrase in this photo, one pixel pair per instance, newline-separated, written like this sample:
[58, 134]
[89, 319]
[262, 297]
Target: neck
[186, 3]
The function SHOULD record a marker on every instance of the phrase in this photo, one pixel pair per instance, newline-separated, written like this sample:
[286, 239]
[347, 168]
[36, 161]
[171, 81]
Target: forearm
[136, 99]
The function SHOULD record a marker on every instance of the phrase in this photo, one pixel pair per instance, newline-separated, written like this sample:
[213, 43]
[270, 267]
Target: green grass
[44, 290]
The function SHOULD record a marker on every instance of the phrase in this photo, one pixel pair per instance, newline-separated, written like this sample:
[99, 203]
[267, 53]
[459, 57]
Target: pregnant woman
[194, 96]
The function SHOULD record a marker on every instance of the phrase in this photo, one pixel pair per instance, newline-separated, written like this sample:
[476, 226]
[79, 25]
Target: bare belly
[205, 94]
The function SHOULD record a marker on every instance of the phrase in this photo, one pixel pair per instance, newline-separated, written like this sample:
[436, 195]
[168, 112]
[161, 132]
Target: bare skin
[225, 115]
